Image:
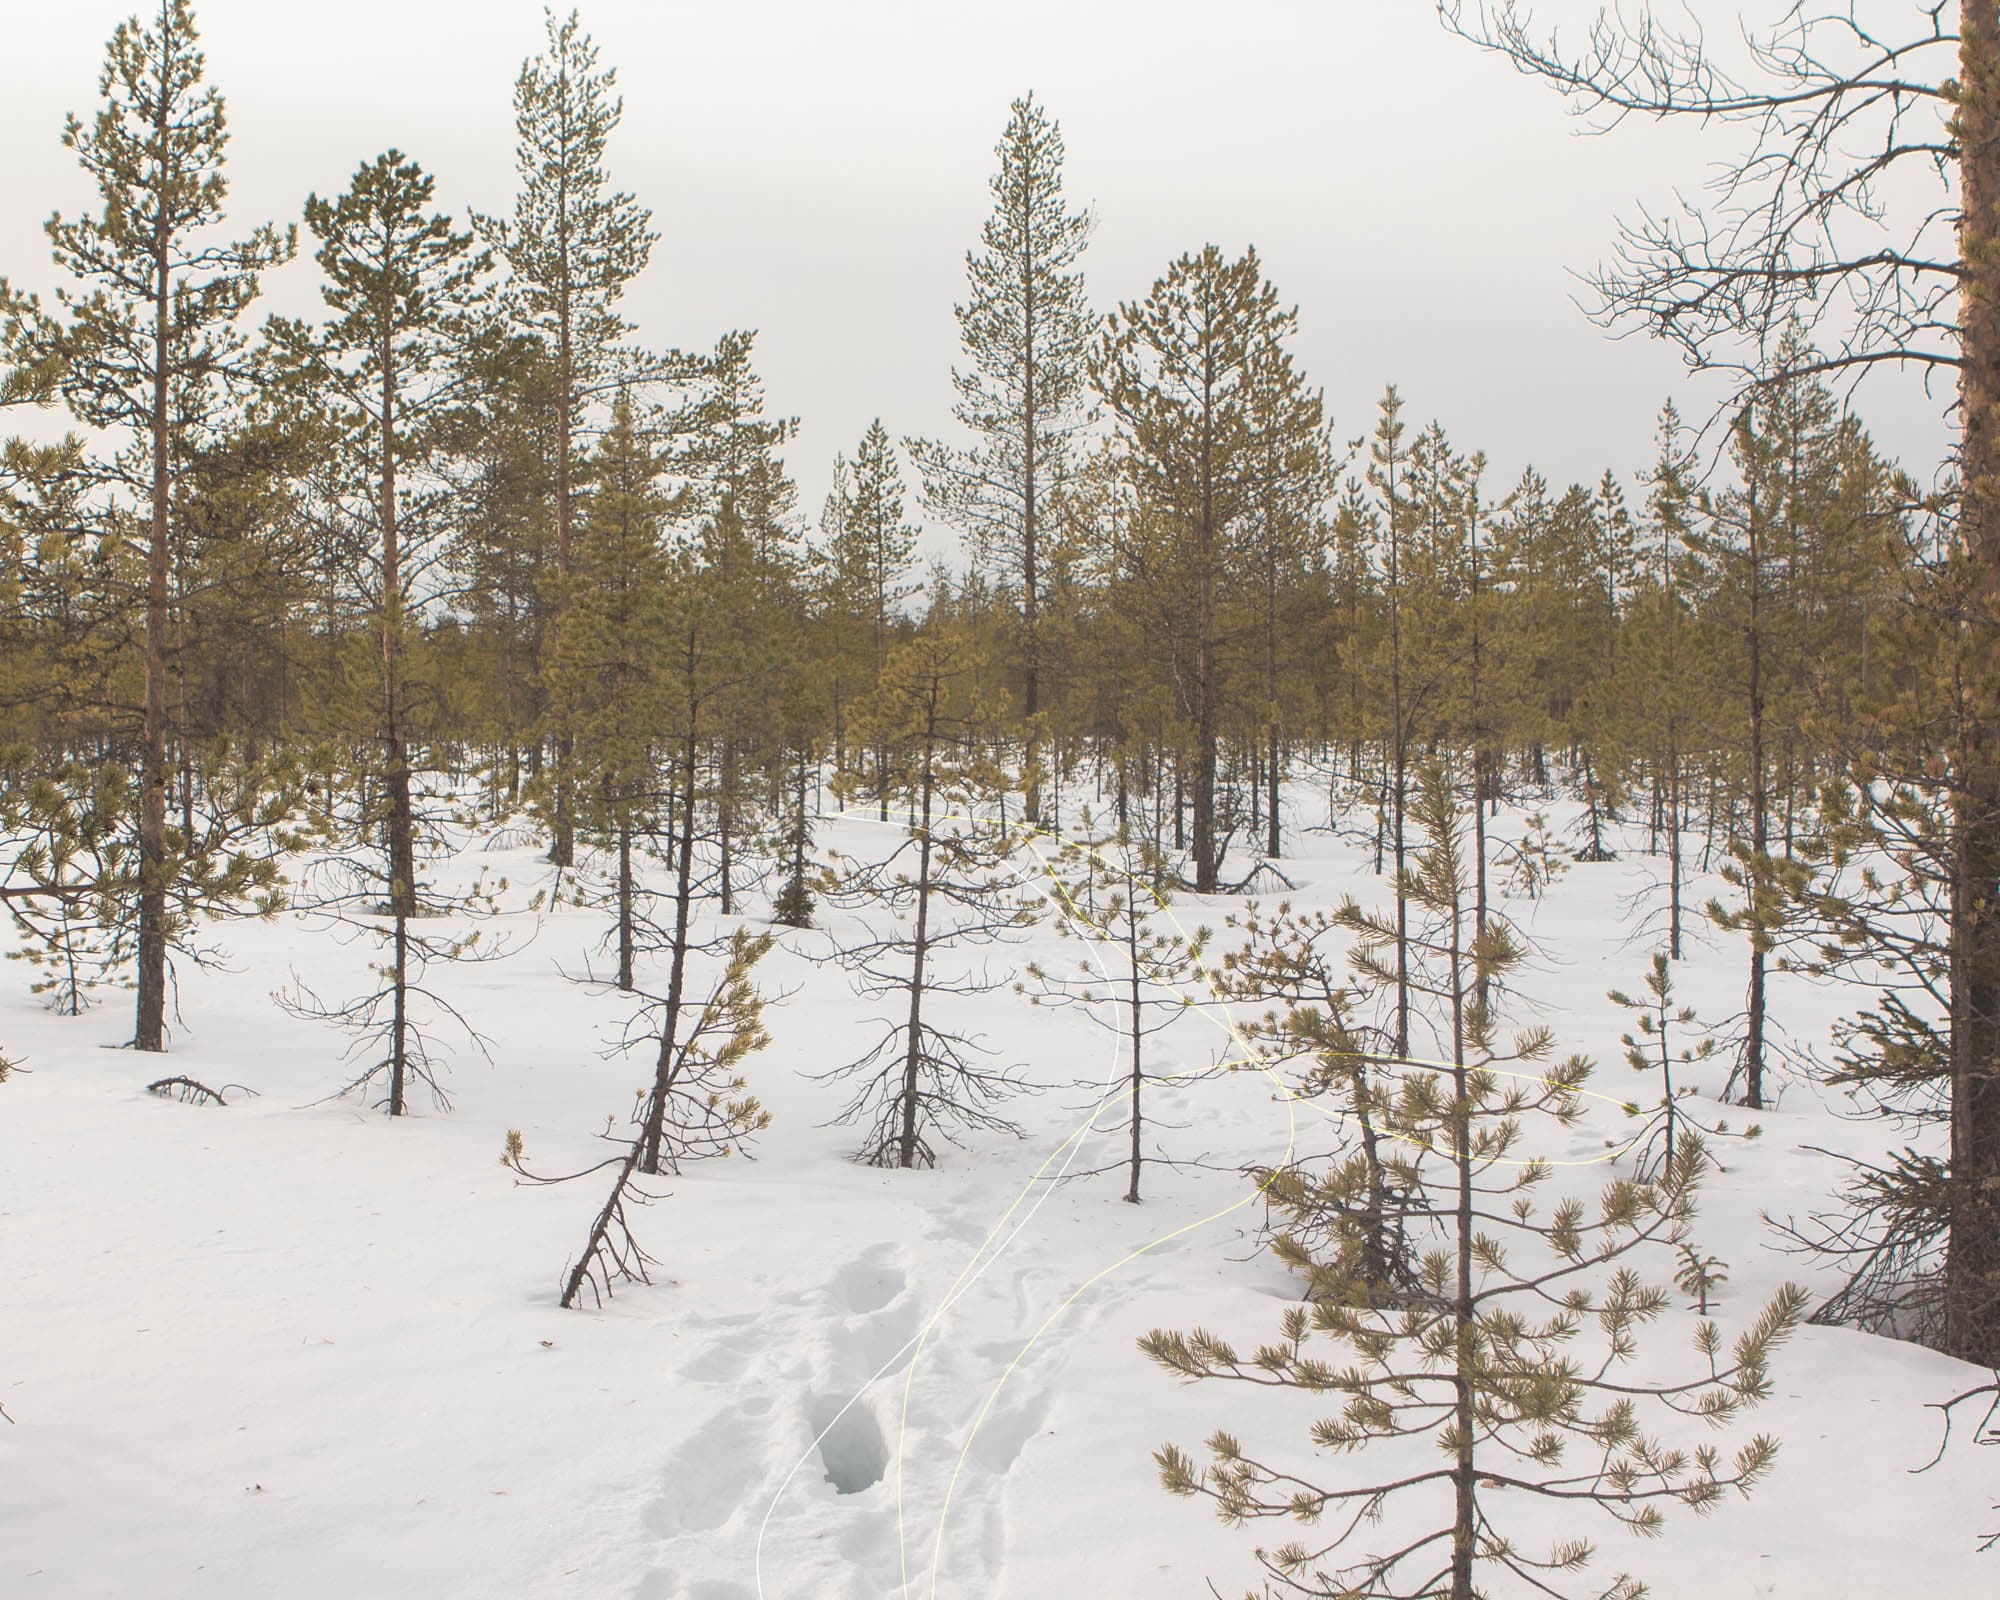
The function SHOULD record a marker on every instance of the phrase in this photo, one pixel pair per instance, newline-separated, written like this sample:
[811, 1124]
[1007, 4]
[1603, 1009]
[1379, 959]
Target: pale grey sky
[817, 170]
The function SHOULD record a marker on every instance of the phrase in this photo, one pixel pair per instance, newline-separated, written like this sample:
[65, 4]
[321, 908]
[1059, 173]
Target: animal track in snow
[722, 1361]
[869, 1282]
[885, 1343]
[712, 1472]
[726, 1357]
[1006, 1432]
[851, 1446]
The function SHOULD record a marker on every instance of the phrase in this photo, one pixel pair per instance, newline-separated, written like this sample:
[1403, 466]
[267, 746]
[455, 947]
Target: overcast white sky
[817, 170]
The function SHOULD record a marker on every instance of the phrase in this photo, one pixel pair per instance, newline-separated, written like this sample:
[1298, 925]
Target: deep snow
[289, 1347]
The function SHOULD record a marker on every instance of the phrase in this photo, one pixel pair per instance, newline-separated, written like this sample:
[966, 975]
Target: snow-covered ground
[289, 1347]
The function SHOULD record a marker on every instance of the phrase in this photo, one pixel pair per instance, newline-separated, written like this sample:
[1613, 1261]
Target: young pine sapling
[1511, 1354]
[952, 876]
[1141, 973]
[1649, 1047]
[1339, 1217]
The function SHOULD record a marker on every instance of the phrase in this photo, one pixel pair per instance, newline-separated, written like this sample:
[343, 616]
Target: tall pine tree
[573, 245]
[1024, 397]
[147, 345]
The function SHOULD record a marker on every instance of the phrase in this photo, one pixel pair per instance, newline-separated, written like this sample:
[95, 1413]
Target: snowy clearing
[286, 1346]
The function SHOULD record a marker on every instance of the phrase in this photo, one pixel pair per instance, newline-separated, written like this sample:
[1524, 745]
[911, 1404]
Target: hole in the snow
[868, 1285]
[850, 1444]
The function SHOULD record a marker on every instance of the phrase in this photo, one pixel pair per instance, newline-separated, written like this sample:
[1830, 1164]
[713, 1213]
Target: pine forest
[1168, 990]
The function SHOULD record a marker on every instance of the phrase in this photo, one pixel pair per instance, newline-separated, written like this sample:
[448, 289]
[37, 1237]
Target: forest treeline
[465, 533]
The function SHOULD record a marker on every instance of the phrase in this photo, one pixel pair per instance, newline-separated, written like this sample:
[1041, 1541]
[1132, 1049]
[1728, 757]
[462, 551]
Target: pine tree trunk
[180, 717]
[1708, 821]
[1399, 752]
[906, 1142]
[562, 843]
[600, 1229]
[1207, 856]
[399, 1017]
[1273, 841]
[1399, 837]
[725, 816]
[625, 978]
[1180, 807]
[1381, 815]
[1206, 682]
[1673, 849]
[149, 1031]
[1465, 1482]
[401, 820]
[839, 733]
[1274, 844]
[799, 839]
[1031, 637]
[1753, 1043]
[1482, 985]
[1138, 1021]
[1972, 1261]
[666, 1063]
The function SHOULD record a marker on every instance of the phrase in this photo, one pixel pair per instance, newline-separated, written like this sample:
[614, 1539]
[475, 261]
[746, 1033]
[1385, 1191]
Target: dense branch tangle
[1845, 208]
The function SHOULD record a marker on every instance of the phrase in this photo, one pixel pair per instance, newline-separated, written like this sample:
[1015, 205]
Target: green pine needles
[1139, 977]
[1651, 1046]
[1503, 1375]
